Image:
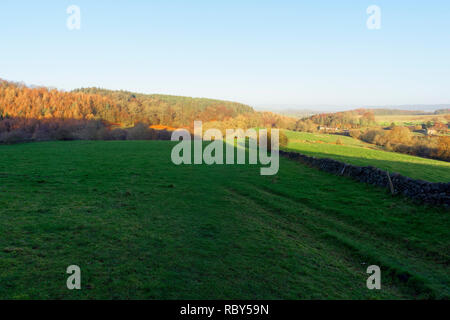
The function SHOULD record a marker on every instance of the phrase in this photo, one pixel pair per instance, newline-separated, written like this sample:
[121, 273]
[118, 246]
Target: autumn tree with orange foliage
[39, 114]
[443, 148]
[127, 108]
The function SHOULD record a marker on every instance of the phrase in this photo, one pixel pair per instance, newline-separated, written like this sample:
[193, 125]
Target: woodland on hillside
[120, 107]
[38, 114]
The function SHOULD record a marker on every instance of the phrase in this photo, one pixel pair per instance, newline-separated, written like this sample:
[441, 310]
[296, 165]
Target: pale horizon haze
[262, 53]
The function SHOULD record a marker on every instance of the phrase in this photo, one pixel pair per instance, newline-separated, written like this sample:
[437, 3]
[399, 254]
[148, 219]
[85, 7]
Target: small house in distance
[431, 132]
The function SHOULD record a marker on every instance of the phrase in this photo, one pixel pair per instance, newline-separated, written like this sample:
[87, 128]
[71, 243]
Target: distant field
[359, 153]
[408, 120]
[142, 228]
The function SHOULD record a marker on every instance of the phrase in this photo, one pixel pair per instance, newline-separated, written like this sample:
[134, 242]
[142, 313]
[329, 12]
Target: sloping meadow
[140, 227]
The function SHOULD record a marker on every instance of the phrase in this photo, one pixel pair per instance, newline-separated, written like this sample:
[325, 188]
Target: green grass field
[142, 228]
[363, 154]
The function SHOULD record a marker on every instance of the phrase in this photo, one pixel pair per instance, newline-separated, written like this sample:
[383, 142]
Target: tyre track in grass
[326, 260]
[400, 263]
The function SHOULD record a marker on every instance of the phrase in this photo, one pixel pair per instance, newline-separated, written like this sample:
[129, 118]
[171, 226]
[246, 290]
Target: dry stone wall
[419, 190]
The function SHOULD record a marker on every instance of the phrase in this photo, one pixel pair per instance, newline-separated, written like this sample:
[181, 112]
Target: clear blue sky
[257, 52]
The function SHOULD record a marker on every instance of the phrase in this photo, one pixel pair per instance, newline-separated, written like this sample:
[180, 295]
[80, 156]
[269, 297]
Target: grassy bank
[363, 154]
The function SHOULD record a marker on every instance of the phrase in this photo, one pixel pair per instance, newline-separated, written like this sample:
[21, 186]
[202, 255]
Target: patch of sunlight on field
[363, 154]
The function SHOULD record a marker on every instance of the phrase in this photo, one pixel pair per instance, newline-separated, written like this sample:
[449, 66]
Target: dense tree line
[120, 107]
[168, 110]
[339, 120]
[13, 130]
[41, 103]
[38, 114]
[126, 109]
[401, 139]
